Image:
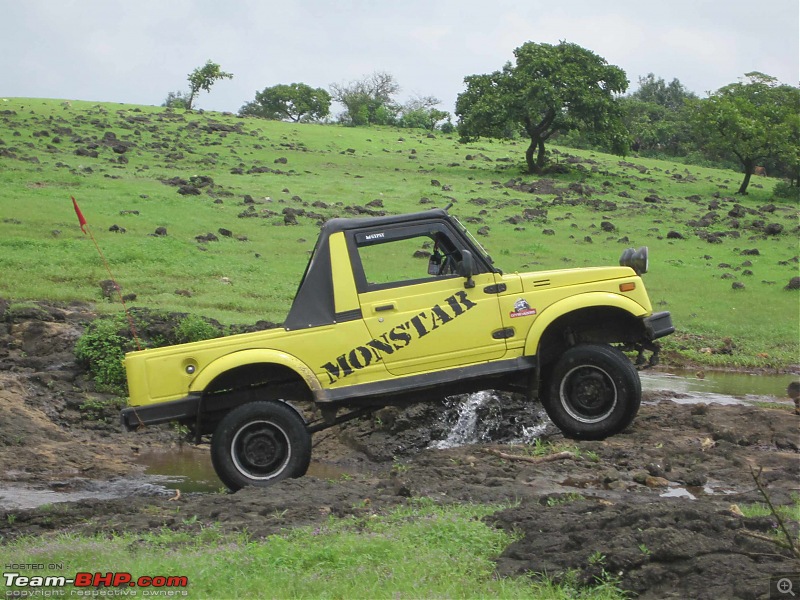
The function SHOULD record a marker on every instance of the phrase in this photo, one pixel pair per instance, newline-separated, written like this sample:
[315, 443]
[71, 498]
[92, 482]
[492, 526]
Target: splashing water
[479, 417]
[465, 429]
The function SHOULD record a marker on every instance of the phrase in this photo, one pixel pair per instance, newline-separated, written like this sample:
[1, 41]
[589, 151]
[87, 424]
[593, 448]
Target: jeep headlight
[635, 259]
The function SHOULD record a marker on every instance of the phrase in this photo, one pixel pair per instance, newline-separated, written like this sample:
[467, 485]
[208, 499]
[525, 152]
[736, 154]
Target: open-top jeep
[370, 326]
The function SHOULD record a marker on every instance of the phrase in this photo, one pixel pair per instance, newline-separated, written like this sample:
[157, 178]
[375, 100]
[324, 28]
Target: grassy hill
[135, 169]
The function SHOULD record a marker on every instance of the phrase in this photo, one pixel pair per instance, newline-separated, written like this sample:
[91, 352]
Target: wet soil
[658, 502]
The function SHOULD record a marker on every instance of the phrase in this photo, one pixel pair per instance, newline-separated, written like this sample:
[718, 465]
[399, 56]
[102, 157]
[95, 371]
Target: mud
[655, 506]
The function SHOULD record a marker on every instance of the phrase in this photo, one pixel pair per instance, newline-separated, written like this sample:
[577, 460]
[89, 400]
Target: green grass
[422, 550]
[44, 255]
[760, 509]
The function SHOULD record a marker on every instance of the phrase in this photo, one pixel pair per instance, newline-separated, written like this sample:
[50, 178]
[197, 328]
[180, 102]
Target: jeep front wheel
[259, 444]
[592, 392]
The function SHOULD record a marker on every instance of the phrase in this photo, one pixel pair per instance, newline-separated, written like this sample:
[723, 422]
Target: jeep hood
[566, 277]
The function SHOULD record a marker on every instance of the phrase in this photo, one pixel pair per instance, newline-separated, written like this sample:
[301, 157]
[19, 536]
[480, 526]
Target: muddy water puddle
[705, 387]
[20, 496]
[189, 469]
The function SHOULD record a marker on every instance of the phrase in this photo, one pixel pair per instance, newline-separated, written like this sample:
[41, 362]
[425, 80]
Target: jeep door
[421, 314]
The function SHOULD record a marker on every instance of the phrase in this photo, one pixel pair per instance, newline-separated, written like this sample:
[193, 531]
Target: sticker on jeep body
[522, 309]
[399, 336]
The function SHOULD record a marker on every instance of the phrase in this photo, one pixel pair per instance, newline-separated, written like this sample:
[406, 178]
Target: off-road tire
[592, 392]
[259, 444]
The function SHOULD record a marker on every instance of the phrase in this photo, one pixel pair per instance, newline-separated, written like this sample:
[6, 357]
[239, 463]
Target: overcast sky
[136, 51]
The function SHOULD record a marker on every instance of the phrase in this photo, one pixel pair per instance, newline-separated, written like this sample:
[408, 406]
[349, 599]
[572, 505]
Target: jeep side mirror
[466, 268]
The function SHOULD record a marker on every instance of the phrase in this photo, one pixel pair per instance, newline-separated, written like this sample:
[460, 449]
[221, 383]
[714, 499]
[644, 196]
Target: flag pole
[88, 231]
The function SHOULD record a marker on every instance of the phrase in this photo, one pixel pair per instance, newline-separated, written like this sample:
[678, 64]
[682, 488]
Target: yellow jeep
[360, 336]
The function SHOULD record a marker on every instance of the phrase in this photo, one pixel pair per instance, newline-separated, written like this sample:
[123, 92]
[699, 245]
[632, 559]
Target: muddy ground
[658, 502]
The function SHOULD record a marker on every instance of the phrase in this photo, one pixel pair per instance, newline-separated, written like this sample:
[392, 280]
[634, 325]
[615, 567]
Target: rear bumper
[658, 325]
[134, 417]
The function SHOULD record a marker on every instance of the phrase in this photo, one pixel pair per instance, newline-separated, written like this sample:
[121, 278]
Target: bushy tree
[368, 101]
[202, 78]
[754, 120]
[295, 102]
[177, 99]
[657, 117]
[550, 89]
[672, 95]
[421, 113]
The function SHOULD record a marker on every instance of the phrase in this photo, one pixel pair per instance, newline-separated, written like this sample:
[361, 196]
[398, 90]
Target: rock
[281, 161]
[188, 190]
[160, 231]
[773, 229]
[737, 285]
[655, 482]
[201, 180]
[794, 284]
[209, 237]
[108, 288]
[674, 235]
[608, 226]
[225, 232]
[737, 211]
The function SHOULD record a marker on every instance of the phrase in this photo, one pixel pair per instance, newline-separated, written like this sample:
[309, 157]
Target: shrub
[194, 329]
[101, 349]
[784, 190]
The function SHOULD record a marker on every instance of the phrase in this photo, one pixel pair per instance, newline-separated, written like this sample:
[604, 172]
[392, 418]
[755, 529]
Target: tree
[295, 101]
[420, 113]
[177, 99]
[368, 101]
[656, 91]
[657, 116]
[202, 78]
[550, 89]
[754, 120]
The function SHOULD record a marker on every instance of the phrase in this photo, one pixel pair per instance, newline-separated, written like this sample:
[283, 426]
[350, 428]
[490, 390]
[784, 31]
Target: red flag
[78, 212]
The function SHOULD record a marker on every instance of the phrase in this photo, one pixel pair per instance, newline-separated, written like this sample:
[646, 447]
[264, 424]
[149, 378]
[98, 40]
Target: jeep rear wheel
[259, 444]
[592, 392]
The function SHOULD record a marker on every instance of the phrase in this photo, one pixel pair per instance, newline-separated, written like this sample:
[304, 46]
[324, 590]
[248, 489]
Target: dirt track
[657, 501]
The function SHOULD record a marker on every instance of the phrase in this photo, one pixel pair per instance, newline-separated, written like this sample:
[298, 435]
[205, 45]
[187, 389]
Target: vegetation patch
[419, 550]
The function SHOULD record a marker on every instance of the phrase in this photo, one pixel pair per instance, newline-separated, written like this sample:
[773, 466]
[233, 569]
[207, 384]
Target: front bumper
[658, 325]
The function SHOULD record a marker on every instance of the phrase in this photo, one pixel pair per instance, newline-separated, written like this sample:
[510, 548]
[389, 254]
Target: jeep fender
[250, 357]
[573, 303]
